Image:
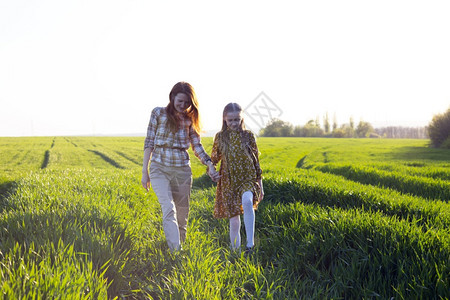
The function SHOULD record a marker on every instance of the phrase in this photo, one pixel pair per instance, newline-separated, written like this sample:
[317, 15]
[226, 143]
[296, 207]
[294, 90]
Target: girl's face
[233, 120]
[181, 102]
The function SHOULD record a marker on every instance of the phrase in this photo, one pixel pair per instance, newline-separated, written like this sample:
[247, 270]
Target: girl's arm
[261, 196]
[216, 156]
[255, 153]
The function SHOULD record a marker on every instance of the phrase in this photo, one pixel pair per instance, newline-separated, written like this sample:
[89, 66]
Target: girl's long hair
[192, 112]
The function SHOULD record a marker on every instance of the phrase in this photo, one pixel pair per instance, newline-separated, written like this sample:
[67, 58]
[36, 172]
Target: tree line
[313, 128]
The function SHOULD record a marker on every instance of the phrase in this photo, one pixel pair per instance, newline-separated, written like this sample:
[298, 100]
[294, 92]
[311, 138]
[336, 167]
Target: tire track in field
[102, 155]
[127, 157]
[47, 156]
[107, 159]
[7, 187]
[70, 141]
[428, 188]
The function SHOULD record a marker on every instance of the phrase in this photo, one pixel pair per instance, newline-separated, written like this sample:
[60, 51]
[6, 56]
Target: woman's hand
[213, 173]
[145, 181]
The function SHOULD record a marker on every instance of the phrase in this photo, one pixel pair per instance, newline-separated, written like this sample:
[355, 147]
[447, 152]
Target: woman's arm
[145, 176]
[197, 146]
[148, 147]
[212, 172]
[201, 154]
[215, 158]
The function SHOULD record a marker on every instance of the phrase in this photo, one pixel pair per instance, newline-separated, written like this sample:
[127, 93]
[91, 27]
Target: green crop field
[341, 219]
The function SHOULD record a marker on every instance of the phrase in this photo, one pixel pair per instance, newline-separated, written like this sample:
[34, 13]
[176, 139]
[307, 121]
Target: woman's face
[181, 102]
[233, 120]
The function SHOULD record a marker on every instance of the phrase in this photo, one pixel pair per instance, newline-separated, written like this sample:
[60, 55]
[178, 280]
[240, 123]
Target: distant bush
[311, 129]
[439, 130]
[364, 129]
[277, 128]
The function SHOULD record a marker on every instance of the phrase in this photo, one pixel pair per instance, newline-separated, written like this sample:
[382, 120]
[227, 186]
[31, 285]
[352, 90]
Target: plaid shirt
[168, 148]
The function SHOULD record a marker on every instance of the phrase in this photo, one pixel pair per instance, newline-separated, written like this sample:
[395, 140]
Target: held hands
[213, 173]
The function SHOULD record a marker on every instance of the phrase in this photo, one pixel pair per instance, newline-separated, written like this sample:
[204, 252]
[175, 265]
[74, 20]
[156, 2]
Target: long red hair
[192, 112]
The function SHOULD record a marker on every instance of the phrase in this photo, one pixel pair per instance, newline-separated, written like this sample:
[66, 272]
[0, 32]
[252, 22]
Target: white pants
[172, 186]
[249, 222]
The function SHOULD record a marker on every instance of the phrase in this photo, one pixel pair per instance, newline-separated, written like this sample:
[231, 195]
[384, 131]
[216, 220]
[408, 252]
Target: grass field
[341, 219]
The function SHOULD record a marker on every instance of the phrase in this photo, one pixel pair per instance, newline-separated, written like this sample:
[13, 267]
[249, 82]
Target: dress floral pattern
[239, 171]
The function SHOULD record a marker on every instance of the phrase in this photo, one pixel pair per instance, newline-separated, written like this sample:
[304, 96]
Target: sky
[99, 67]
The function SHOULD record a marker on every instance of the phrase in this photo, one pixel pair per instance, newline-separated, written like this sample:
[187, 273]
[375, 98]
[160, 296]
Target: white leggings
[249, 222]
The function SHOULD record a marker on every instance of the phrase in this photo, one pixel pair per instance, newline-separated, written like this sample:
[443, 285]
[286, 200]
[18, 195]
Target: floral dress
[239, 171]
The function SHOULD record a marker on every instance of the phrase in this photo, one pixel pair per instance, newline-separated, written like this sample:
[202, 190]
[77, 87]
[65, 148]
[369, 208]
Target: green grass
[310, 186]
[341, 219]
[425, 187]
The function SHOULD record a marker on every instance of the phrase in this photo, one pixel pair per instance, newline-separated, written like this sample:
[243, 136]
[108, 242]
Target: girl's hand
[145, 181]
[261, 196]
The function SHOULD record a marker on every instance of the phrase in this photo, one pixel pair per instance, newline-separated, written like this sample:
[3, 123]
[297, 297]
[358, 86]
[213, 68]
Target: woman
[171, 130]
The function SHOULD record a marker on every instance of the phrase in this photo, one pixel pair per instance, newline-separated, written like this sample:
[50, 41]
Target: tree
[364, 129]
[349, 130]
[352, 123]
[345, 131]
[298, 131]
[338, 133]
[326, 123]
[311, 129]
[276, 128]
[439, 130]
[335, 125]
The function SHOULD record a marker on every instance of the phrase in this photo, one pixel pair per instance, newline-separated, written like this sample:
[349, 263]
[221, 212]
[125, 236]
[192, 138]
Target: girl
[172, 129]
[239, 189]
